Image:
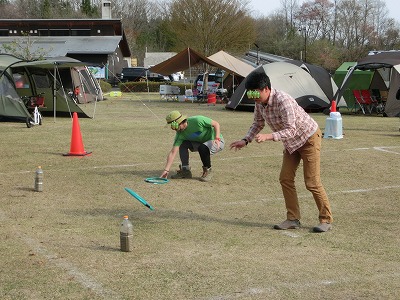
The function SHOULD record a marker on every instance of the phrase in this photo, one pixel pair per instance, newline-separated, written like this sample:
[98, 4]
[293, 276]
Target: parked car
[176, 76]
[214, 83]
[141, 74]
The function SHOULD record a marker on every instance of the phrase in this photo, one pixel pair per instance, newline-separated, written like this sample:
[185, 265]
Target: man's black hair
[257, 80]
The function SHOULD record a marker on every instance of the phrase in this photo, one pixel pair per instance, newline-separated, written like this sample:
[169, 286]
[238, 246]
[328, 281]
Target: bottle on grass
[126, 235]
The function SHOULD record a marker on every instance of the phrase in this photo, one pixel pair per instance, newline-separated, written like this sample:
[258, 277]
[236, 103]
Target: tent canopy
[360, 80]
[294, 80]
[231, 64]
[11, 106]
[43, 76]
[385, 68]
[188, 57]
[184, 60]
[65, 62]
[321, 76]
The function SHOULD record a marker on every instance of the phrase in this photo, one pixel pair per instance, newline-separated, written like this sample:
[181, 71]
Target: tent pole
[190, 70]
[54, 92]
[233, 83]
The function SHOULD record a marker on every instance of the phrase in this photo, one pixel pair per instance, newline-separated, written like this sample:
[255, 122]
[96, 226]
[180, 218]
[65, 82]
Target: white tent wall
[294, 80]
[89, 89]
[392, 108]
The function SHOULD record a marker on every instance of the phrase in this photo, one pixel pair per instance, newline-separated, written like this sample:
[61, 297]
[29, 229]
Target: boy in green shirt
[197, 134]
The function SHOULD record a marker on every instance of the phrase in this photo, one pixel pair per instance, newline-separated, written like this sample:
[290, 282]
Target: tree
[88, 9]
[211, 25]
[23, 48]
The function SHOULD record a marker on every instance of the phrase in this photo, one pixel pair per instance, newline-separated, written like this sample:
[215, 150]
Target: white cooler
[334, 126]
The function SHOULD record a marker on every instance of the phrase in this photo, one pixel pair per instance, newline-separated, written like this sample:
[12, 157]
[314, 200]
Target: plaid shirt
[288, 121]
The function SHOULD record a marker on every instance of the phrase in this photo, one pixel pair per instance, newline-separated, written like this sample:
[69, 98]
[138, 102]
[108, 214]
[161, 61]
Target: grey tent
[57, 78]
[386, 67]
[11, 106]
[311, 86]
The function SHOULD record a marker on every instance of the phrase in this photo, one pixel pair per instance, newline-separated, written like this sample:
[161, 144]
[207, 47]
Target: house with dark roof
[101, 43]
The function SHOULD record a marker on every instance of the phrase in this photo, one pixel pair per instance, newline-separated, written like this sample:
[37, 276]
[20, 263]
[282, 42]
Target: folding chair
[360, 101]
[371, 101]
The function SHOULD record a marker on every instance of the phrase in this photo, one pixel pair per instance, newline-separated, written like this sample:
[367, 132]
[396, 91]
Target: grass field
[203, 241]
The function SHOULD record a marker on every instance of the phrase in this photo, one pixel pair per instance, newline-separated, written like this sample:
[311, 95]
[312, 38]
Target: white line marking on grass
[85, 280]
[306, 195]
[383, 149]
[357, 149]
[272, 292]
[219, 158]
[290, 234]
[369, 190]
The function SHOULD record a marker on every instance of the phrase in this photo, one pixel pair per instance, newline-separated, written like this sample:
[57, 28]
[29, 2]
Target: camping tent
[184, 60]
[360, 80]
[187, 58]
[386, 68]
[55, 78]
[237, 68]
[231, 64]
[295, 79]
[11, 106]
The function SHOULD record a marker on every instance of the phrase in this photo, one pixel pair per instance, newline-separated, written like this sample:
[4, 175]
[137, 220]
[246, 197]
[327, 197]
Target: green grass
[203, 240]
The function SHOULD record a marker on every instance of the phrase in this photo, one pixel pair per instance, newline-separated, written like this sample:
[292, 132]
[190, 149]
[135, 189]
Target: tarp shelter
[386, 68]
[237, 68]
[296, 79]
[231, 64]
[11, 106]
[187, 58]
[58, 79]
[184, 60]
[360, 80]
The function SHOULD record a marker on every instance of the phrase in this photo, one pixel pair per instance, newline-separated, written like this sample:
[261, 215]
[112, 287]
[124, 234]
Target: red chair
[369, 99]
[360, 101]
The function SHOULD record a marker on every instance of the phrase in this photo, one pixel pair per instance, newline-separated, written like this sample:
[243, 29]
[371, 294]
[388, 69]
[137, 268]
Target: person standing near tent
[197, 134]
[301, 138]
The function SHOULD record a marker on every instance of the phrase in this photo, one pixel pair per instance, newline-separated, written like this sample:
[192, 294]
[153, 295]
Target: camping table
[169, 92]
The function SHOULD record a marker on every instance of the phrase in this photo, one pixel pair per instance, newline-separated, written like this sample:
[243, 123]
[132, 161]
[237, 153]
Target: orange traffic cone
[77, 148]
[333, 106]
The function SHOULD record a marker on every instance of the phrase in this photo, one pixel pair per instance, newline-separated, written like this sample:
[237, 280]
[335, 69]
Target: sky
[265, 7]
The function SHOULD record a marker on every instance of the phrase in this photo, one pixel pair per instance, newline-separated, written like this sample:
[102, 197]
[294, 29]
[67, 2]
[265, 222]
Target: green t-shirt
[199, 129]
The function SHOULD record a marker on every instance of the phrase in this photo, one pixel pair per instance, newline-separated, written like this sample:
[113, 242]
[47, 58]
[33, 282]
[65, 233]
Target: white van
[214, 83]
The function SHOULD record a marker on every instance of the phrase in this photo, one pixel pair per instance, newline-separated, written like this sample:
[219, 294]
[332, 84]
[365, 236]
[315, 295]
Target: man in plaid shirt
[301, 138]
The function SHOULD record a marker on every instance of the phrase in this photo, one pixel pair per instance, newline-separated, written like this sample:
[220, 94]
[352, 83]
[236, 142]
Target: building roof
[61, 46]
[105, 36]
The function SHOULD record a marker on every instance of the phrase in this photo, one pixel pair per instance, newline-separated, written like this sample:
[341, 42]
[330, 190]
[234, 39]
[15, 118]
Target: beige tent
[184, 60]
[222, 60]
[188, 57]
[231, 64]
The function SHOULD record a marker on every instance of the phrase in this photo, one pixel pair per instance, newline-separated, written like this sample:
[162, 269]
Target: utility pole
[258, 58]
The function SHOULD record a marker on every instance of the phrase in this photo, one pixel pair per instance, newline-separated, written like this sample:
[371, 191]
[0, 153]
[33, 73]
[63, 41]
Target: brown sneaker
[182, 173]
[288, 224]
[207, 175]
[322, 227]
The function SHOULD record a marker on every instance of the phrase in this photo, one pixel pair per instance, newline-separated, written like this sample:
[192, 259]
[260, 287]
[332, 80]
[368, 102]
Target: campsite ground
[203, 240]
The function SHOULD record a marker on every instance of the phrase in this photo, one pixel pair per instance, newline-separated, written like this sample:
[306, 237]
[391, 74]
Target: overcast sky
[264, 7]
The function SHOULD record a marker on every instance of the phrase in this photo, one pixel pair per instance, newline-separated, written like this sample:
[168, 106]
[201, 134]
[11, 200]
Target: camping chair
[380, 98]
[360, 101]
[371, 101]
